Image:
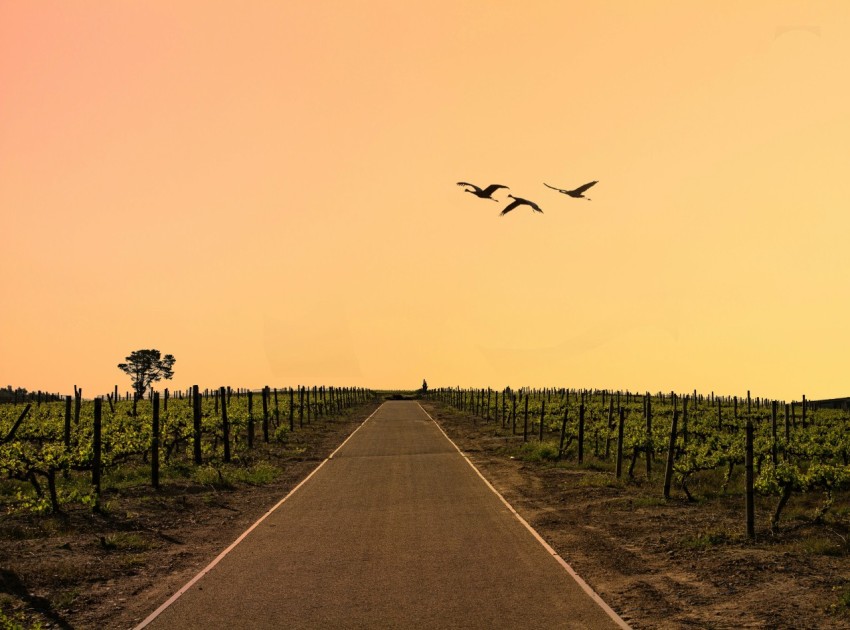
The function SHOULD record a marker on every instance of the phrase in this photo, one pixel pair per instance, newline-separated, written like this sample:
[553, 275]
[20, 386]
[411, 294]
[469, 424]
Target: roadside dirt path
[671, 564]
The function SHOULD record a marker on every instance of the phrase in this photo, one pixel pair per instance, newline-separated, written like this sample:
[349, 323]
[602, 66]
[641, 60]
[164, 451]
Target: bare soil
[111, 570]
[659, 564]
[677, 563]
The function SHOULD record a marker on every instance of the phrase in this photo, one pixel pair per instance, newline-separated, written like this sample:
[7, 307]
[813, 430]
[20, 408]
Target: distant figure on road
[424, 386]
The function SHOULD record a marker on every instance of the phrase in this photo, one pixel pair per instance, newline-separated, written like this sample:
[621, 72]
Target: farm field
[659, 563]
[110, 567]
[665, 563]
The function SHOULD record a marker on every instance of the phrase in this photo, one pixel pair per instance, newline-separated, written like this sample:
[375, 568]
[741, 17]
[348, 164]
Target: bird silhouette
[484, 193]
[519, 201]
[576, 192]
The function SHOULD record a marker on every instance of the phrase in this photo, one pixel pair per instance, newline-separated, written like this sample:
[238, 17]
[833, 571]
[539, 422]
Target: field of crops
[695, 443]
[53, 454]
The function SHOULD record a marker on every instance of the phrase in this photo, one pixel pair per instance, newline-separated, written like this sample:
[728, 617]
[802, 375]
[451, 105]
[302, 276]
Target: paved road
[396, 530]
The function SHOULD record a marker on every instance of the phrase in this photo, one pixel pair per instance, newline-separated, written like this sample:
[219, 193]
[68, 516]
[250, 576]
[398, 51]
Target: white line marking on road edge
[218, 559]
[584, 585]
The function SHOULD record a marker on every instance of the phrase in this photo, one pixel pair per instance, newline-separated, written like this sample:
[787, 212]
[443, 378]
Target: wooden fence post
[78, 400]
[266, 414]
[504, 407]
[67, 432]
[542, 416]
[787, 429]
[620, 431]
[671, 454]
[563, 432]
[225, 424]
[525, 425]
[196, 424]
[96, 451]
[650, 450]
[581, 434]
[155, 443]
[250, 419]
[773, 445]
[751, 532]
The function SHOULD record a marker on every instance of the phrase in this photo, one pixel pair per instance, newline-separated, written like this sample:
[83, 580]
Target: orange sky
[267, 191]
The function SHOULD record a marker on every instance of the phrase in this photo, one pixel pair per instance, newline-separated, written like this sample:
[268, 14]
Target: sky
[267, 191]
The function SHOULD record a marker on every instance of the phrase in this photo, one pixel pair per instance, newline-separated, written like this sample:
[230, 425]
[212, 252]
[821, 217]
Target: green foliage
[17, 621]
[212, 476]
[281, 434]
[823, 546]
[226, 476]
[539, 451]
[131, 541]
[706, 540]
[259, 474]
[34, 458]
[709, 444]
[842, 601]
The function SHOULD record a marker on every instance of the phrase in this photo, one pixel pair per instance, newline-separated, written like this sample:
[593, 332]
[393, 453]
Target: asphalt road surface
[395, 530]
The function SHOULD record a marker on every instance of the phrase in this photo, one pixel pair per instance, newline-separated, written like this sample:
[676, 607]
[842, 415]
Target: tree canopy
[145, 367]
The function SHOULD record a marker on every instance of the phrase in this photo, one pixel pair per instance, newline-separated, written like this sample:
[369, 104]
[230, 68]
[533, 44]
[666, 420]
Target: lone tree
[145, 367]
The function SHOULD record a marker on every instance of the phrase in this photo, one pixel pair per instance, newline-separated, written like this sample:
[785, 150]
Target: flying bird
[484, 193]
[518, 201]
[577, 192]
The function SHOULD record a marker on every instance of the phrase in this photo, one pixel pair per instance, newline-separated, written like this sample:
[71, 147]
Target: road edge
[244, 534]
[584, 585]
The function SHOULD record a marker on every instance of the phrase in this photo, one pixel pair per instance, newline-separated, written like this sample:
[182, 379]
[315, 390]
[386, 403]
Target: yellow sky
[267, 191]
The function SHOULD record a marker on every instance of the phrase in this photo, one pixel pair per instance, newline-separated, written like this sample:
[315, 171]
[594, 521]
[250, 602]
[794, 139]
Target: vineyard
[54, 454]
[689, 441]
[703, 511]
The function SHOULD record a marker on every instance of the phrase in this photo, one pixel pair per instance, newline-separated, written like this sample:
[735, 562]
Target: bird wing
[492, 188]
[509, 207]
[581, 189]
[533, 205]
[467, 184]
[560, 190]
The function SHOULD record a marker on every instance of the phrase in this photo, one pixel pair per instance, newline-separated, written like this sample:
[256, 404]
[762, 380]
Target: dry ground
[111, 570]
[675, 564]
[659, 564]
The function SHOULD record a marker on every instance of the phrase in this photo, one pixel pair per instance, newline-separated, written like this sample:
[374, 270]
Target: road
[394, 530]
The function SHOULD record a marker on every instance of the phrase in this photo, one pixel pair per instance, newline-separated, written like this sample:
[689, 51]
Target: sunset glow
[268, 192]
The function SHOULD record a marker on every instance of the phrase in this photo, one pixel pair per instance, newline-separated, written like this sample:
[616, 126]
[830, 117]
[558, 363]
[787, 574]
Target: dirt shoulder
[670, 564]
[111, 570]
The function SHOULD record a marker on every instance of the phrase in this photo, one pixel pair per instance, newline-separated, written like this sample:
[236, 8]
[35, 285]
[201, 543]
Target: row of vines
[782, 448]
[56, 453]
